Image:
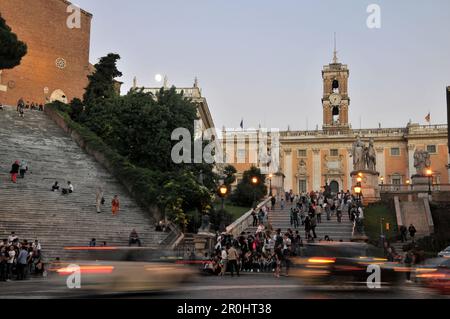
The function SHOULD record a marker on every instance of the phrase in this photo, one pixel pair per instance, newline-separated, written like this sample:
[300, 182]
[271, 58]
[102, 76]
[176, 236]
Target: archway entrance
[58, 95]
[334, 187]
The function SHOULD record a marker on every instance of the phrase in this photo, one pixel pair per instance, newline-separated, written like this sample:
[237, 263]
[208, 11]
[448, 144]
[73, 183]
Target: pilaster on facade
[411, 168]
[317, 169]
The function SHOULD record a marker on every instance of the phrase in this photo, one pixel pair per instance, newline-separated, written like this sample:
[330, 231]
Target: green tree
[139, 126]
[12, 50]
[230, 175]
[246, 192]
[76, 109]
[101, 82]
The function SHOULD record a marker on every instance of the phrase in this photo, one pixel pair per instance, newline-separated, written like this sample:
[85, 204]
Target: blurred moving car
[435, 274]
[121, 271]
[445, 252]
[339, 265]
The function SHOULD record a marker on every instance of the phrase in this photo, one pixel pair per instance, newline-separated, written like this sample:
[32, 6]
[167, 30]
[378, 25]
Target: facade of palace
[57, 63]
[310, 159]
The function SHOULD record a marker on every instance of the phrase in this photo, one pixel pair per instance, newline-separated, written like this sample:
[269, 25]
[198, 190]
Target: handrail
[244, 221]
[171, 242]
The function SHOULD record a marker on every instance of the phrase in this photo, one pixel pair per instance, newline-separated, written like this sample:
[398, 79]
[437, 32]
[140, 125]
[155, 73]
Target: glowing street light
[429, 173]
[223, 191]
[255, 182]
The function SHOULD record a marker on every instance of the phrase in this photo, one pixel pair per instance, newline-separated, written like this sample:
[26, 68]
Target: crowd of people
[309, 209]
[22, 106]
[267, 250]
[20, 259]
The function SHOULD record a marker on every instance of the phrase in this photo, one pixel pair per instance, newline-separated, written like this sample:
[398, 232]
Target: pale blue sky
[262, 59]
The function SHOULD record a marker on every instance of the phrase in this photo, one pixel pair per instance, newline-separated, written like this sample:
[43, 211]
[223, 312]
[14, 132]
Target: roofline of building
[90, 15]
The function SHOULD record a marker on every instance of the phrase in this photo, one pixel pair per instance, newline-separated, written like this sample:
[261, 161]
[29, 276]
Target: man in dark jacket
[412, 231]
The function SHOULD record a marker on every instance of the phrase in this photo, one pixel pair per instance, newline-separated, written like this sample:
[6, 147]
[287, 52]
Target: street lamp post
[430, 176]
[223, 191]
[358, 187]
[255, 182]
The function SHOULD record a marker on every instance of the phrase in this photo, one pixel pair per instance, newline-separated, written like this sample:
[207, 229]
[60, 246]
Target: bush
[246, 193]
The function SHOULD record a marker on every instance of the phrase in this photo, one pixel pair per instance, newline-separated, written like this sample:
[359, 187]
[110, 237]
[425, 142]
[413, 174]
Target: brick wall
[42, 25]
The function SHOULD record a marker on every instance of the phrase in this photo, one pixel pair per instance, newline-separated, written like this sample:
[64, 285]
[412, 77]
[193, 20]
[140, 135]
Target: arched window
[335, 86]
[336, 115]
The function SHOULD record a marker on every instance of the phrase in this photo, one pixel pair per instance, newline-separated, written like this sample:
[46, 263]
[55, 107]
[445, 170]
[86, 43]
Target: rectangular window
[395, 151]
[334, 153]
[396, 181]
[302, 153]
[432, 149]
[241, 156]
[302, 186]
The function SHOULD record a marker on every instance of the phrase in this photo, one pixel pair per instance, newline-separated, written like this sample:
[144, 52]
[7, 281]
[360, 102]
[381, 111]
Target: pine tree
[101, 82]
[12, 50]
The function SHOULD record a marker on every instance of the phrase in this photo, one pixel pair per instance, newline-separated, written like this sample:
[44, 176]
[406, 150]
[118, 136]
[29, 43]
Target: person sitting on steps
[134, 238]
[69, 189]
[55, 187]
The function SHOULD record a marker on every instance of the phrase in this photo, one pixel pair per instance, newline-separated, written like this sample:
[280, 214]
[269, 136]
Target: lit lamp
[358, 187]
[255, 182]
[223, 191]
[382, 180]
[430, 176]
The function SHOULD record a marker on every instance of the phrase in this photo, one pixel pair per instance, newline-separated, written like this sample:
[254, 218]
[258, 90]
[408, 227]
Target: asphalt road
[248, 286]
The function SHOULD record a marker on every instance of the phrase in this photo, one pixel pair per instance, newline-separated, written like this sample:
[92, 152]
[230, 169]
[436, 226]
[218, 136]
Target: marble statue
[422, 162]
[370, 156]
[358, 155]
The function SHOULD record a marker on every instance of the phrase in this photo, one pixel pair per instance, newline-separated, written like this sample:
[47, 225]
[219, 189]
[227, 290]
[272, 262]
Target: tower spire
[335, 58]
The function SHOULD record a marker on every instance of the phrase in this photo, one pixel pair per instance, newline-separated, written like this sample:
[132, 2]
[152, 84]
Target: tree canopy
[101, 82]
[12, 50]
[246, 192]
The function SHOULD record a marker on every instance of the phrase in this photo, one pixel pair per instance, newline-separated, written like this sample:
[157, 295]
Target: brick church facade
[57, 63]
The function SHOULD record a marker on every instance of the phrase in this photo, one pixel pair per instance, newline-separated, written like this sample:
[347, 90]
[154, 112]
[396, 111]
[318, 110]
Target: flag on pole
[242, 124]
[428, 118]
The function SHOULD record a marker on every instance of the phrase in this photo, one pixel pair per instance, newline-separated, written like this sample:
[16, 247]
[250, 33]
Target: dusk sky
[261, 60]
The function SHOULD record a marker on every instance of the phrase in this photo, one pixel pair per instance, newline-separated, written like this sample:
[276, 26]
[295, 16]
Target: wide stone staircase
[33, 211]
[280, 219]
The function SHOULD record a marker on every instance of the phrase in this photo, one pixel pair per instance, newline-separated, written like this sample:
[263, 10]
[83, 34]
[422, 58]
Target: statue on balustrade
[422, 162]
[364, 157]
[370, 156]
[358, 155]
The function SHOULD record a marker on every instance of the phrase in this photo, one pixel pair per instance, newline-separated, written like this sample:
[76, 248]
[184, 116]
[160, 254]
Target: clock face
[335, 99]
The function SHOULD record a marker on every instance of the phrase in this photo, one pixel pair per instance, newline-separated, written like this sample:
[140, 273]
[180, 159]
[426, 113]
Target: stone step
[30, 208]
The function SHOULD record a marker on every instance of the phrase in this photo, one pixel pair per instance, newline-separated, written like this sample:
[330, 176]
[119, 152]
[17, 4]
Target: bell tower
[335, 100]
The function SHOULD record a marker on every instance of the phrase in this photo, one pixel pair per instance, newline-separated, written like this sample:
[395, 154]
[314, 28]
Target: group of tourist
[259, 252]
[307, 209]
[20, 258]
[267, 250]
[18, 168]
[22, 106]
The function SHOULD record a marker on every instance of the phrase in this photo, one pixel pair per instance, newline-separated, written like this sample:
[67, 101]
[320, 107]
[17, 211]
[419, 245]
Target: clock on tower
[335, 100]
